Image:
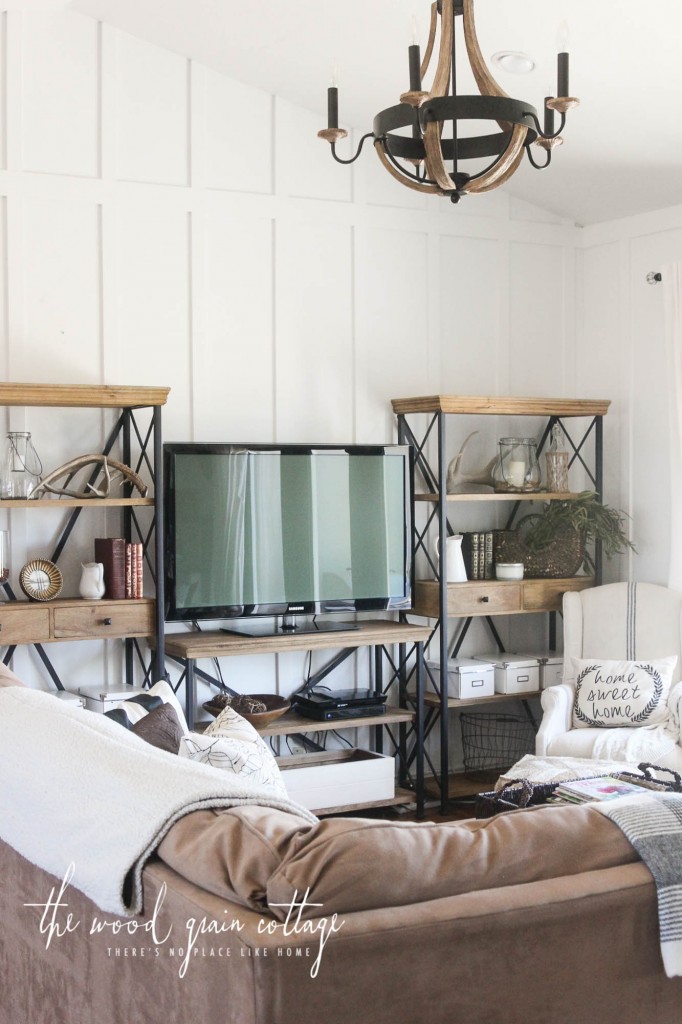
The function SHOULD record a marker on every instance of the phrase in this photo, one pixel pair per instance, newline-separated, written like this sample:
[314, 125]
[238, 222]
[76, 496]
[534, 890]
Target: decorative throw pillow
[161, 728]
[134, 710]
[613, 694]
[232, 744]
[131, 711]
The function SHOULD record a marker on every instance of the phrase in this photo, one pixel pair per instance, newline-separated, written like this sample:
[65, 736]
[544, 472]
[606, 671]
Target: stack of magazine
[606, 787]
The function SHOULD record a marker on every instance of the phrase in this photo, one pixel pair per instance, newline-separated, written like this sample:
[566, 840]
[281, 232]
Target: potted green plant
[552, 543]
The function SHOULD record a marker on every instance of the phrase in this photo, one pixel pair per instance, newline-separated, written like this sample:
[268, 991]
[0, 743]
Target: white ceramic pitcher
[455, 571]
[91, 586]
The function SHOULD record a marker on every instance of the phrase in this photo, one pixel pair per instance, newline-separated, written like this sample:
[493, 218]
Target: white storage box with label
[551, 666]
[335, 778]
[513, 674]
[97, 698]
[468, 678]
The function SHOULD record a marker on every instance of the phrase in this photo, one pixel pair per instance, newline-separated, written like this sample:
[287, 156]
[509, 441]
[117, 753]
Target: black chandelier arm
[537, 166]
[340, 160]
[538, 128]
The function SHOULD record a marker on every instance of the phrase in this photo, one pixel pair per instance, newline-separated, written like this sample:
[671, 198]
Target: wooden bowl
[275, 707]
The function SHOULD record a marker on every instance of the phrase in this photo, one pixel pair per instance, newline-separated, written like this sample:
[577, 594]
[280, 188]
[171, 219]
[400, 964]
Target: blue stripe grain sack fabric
[653, 824]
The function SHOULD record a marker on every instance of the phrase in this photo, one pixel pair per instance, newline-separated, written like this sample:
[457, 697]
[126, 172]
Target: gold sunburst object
[40, 580]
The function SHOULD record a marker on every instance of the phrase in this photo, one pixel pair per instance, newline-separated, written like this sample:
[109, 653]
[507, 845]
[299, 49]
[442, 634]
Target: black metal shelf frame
[434, 480]
[148, 437]
[390, 675]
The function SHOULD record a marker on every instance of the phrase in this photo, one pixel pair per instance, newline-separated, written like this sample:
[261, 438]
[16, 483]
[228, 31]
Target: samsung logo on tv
[295, 608]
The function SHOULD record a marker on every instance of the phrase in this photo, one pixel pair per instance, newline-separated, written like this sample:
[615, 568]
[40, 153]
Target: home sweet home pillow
[616, 694]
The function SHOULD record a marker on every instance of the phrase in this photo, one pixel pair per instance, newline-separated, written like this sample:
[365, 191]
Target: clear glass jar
[557, 463]
[517, 467]
[22, 467]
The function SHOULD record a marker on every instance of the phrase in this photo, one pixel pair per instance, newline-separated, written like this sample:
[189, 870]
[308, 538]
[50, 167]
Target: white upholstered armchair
[618, 622]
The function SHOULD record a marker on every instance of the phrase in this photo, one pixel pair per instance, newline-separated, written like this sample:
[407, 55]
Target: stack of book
[582, 791]
[123, 563]
[477, 551]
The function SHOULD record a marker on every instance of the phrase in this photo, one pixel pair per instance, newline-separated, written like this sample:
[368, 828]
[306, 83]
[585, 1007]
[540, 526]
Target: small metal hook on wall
[654, 277]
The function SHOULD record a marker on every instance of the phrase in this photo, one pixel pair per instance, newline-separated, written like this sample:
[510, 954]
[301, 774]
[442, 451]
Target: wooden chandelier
[433, 156]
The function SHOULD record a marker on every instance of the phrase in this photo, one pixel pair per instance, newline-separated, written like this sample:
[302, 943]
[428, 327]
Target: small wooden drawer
[548, 595]
[489, 598]
[484, 599]
[103, 619]
[22, 623]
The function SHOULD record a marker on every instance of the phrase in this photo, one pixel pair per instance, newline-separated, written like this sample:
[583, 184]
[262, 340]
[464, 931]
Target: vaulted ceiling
[623, 146]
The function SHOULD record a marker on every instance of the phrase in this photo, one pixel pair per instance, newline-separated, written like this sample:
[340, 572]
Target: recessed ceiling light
[514, 61]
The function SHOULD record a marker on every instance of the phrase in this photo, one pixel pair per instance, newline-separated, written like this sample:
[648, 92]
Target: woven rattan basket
[563, 557]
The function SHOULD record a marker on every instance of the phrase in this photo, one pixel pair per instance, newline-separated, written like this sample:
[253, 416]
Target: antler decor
[459, 482]
[69, 470]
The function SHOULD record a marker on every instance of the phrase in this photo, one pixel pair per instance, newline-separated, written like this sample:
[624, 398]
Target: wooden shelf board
[557, 581]
[75, 502]
[494, 496]
[81, 395]
[216, 644]
[292, 722]
[433, 700]
[71, 602]
[402, 796]
[499, 406]
[497, 597]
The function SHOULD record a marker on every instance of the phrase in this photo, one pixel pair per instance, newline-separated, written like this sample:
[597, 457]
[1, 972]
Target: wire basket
[495, 741]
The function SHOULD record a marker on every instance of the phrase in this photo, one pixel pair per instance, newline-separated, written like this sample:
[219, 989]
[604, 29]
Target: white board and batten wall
[621, 347]
[162, 224]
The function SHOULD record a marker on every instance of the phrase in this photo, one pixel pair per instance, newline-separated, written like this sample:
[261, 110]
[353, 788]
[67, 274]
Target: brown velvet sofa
[542, 916]
[539, 916]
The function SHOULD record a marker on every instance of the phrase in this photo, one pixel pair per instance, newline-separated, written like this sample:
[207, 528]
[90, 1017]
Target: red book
[111, 552]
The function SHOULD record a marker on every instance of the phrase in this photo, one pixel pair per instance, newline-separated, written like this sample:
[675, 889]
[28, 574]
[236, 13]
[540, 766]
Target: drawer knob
[485, 599]
[107, 622]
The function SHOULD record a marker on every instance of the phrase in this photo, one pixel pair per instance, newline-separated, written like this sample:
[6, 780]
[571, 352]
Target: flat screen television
[254, 530]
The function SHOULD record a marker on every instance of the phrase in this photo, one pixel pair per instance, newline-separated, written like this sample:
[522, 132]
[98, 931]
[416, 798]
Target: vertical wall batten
[274, 294]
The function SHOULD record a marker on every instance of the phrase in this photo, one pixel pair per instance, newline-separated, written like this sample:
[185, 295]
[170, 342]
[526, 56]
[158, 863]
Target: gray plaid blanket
[653, 824]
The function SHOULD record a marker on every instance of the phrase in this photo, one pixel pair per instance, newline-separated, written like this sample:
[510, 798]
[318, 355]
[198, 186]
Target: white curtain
[672, 287]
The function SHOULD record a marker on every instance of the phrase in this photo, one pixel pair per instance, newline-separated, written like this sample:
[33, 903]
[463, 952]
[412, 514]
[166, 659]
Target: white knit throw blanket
[653, 824]
[76, 787]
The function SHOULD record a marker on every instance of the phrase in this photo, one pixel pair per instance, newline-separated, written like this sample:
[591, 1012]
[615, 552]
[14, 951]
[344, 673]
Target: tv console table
[188, 648]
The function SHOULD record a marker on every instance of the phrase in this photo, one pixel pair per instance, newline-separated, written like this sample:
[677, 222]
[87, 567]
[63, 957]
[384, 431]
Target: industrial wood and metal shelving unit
[380, 637]
[422, 423]
[62, 620]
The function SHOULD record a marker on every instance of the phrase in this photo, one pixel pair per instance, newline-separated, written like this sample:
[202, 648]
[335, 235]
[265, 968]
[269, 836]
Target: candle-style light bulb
[549, 118]
[562, 60]
[415, 59]
[333, 100]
